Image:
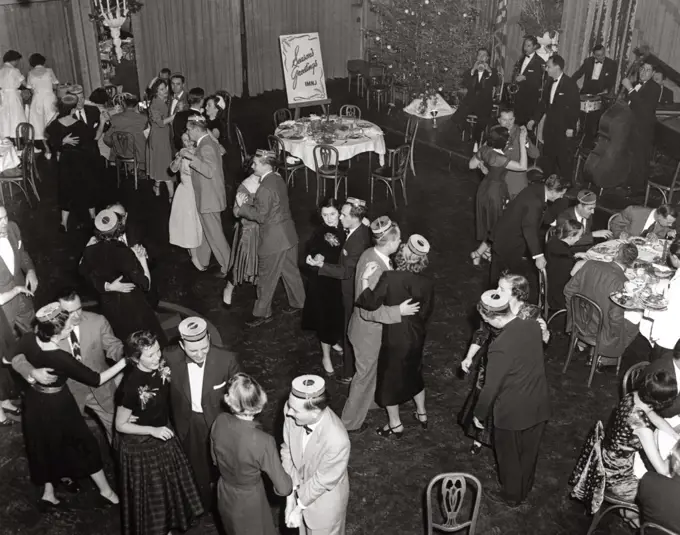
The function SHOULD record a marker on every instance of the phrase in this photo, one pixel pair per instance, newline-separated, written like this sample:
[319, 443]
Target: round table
[371, 140]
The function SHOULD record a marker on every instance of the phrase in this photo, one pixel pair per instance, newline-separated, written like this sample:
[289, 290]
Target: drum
[591, 103]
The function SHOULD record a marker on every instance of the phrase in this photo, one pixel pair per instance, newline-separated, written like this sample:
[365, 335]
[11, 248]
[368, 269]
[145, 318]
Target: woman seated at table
[492, 194]
[560, 260]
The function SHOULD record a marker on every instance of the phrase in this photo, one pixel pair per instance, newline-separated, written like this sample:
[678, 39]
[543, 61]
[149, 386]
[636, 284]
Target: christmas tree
[426, 45]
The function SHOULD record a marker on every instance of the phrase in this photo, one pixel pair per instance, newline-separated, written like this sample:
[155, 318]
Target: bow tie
[200, 365]
[598, 61]
[307, 429]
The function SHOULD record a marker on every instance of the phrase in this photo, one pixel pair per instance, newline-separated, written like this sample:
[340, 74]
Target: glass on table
[624, 236]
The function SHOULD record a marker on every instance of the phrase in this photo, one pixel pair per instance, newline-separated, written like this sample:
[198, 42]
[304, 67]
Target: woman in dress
[492, 193]
[516, 288]
[158, 492]
[77, 163]
[242, 451]
[43, 108]
[59, 444]
[160, 150]
[216, 115]
[11, 104]
[400, 363]
[243, 261]
[108, 260]
[323, 310]
[185, 224]
[560, 260]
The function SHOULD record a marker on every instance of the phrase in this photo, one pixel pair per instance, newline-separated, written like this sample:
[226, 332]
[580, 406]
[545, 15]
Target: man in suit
[179, 123]
[598, 72]
[583, 213]
[516, 180]
[315, 454]
[357, 241]
[516, 390]
[529, 79]
[177, 101]
[560, 105]
[597, 281]
[201, 372]
[132, 122]
[89, 115]
[642, 221]
[518, 231]
[278, 249]
[658, 496]
[93, 343]
[365, 327]
[659, 77]
[17, 272]
[207, 178]
[479, 83]
[643, 99]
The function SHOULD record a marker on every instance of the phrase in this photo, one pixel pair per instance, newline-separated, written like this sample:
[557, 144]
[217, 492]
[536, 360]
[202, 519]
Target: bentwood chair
[393, 173]
[543, 303]
[111, 92]
[610, 504]
[245, 157]
[289, 169]
[409, 139]
[25, 135]
[380, 87]
[281, 115]
[21, 176]
[454, 491]
[350, 110]
[125, 155]
[630, 378]
[664, 187]
[650, 528]
[327, 165]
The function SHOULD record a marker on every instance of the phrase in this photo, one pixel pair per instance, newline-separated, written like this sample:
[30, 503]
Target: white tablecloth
[372, 141]
[9, 157]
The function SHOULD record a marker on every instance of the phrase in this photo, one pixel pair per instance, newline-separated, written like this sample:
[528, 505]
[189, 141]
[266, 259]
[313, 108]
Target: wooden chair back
[631, 377]
[453, 490]
[281, 115]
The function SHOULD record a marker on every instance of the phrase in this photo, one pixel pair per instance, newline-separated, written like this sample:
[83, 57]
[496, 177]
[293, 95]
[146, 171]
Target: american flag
[500, 37]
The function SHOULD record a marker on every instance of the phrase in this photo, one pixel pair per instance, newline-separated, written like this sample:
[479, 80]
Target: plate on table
[637, 241]
[355, 136]
[654, 301]
[604, 251]
[626, 301]
[364, 124]
[663, 272]
[327, 140]
[294, 137]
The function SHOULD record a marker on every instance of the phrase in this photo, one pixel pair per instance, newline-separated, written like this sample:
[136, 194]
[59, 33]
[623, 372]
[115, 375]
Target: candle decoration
[113, 14]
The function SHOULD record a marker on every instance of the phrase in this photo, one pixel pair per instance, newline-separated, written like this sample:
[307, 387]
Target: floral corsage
[331, 239]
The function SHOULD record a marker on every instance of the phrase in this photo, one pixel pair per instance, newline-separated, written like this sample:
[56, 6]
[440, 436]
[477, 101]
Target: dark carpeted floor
[388, 477]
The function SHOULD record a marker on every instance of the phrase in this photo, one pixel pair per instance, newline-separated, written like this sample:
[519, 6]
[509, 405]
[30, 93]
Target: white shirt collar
[7, 253]
[201, 138]
[352, 231]
[558, 79]
[177, 97]
[651, 219]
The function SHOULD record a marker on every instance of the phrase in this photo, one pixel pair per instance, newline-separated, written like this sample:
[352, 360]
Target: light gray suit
[321, 473]
[632, 220]
[365, 334]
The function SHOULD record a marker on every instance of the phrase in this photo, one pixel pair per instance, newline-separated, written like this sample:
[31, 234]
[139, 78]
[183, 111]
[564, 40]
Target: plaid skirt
[158, 492]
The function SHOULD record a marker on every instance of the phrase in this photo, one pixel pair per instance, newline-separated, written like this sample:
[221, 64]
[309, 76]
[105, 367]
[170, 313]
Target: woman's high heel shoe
[418, 416]
[385, 433]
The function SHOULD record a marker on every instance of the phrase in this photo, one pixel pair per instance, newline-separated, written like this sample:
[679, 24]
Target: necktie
[308, 429]
[648, 231]
[346, 232]
[81, 116]
[75, 345]
[199, 364]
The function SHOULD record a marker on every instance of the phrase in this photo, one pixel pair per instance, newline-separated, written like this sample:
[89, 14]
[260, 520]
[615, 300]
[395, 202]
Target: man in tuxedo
[315, 454]
[17, 274]
[560, 105]
[207, 179]
[132, 122]
[598, 72]
[479, 83]
[643, 99]
[278, 249]
[529, 79]
[357, 241]
[659, 77]
[583, 213]
[93, 343]
[178, 101]
[179, 123]
[516, 390]
[201, 372]
[89, 115]
[642, 221]
[518, 231]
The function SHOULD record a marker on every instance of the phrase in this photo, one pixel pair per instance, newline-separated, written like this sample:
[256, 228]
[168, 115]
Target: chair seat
[384, 172]
[663, 182]
[13, 173]
[330, 169]
[378, 88]
[357, 66]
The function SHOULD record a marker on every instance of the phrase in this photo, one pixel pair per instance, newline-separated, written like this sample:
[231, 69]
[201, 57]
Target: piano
[667, 131]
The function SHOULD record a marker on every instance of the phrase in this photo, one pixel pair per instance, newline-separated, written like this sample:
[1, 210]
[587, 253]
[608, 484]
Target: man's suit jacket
[321, 471]
[207, 176]
[220, 366]
[365, 326]
[666, 364]
[632, 220]
[20, 309]
[479, 96]
[562, 114]
[129, 122]
[643, 103]
[518, 227]
[516, 388]
[597, 281]
[587, 238]
[606, 80]
[179, 125]
[658, 499]
[182, 104]
[271, 209]
[93, 117]
[527, 97]
[345, 269]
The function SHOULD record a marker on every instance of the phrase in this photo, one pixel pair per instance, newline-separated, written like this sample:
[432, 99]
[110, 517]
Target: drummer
[598, 72]
[583, 213]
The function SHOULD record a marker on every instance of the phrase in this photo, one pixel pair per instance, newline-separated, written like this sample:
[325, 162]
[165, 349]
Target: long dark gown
[58, 441]
[323, 310]
[77, 175]
[492, 193]
[104, 262]
[400, 363]
[8, 389]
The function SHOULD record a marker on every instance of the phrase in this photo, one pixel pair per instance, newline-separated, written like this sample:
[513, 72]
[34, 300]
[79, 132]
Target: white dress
[44, 102]
[11, 105]
[185, 224]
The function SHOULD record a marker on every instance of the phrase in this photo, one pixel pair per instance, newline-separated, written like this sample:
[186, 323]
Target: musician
[529, 79]
[479, 82]
[560, 105]
[643, 99]
[666, 94]
[598, 72]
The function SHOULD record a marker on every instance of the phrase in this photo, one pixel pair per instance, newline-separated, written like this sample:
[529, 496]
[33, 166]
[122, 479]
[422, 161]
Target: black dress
[323, 310]
[492, 193]
[58, 441]
[158, 492]
[77, 176]
[104, 262]
[400, 363]
[560, 261]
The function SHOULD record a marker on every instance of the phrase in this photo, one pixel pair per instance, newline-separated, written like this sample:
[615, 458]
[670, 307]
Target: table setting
[9, 157]
[349, 135]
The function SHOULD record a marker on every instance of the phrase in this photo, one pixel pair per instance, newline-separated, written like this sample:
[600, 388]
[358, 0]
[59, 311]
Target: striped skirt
[158, 492]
